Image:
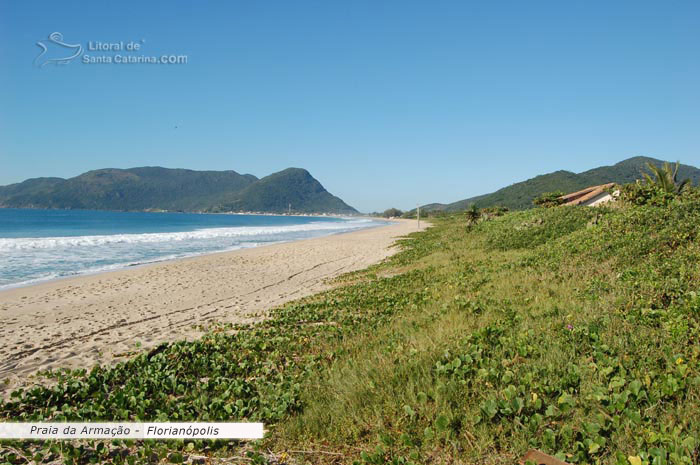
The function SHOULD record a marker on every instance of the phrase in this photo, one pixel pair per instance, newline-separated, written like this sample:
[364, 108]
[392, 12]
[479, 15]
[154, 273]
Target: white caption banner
[38, 430]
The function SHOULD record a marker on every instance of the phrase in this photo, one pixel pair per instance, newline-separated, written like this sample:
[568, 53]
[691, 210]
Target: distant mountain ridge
[519, 196]
[157, 188]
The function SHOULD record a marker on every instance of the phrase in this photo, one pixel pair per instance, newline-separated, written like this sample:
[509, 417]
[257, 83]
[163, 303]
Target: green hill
[519, 196]
[276, 192]
[156, 188]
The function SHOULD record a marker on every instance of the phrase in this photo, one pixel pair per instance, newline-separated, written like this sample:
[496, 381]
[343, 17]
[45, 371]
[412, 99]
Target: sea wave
[40, 275]
[29, 243]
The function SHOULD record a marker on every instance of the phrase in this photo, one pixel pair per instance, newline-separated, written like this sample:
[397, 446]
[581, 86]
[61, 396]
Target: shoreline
[123, 266]
[80, 321]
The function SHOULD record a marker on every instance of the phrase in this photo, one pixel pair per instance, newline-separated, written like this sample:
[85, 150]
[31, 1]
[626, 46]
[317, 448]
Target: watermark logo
[57, 52]
[55, 47]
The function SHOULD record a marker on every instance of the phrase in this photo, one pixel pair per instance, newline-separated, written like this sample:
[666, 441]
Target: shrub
[548, 199]
[639, 193]
[392, 213]
[535, 227]
[496, 210]
[658, 190]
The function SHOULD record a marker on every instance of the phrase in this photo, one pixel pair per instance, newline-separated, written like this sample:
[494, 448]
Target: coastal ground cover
[572, 330]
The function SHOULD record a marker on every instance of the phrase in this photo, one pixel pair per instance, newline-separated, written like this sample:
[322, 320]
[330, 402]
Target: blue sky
[387, 103]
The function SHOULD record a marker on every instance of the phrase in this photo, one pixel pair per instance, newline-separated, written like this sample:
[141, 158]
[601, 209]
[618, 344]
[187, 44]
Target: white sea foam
[28, 260]
[25, 243]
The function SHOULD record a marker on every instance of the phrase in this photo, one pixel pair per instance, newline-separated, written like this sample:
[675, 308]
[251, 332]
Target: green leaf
[592, 428]
[489, 408]
[566, 402]
[635, 386]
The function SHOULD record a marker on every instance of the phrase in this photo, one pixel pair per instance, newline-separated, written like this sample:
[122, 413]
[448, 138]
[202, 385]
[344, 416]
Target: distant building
[591, 196]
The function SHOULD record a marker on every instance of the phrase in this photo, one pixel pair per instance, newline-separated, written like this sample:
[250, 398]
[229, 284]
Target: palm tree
[472, 214]
[665, 178]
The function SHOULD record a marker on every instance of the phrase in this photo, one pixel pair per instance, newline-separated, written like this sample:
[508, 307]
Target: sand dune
[81, 321]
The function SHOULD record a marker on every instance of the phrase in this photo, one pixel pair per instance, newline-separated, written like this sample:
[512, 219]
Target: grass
[572, 330]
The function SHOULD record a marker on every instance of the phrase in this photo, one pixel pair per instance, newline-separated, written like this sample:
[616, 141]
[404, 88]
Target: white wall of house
[598, 199]
[604, 197]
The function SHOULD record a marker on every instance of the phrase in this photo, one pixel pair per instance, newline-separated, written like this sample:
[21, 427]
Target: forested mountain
[156, 188]
[520, 195]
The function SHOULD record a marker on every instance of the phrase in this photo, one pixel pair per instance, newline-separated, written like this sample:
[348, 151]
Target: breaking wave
[25, 243]
[27, 260]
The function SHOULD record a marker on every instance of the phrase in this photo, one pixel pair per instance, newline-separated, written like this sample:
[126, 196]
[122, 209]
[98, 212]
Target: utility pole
[418, 214]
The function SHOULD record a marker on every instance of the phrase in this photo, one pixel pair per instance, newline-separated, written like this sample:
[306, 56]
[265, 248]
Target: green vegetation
[573, 330]
[659, 190]
[520, 196]
[292, 188]
[389, 213]
[155, 188]
[392, 213]
[665, 178]
[472, 214]
[548, 199]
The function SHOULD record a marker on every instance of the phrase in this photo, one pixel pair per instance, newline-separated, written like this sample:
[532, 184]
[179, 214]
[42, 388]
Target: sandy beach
[81, 321]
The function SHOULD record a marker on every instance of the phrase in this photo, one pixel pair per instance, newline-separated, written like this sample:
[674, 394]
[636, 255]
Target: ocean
[39, 245]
